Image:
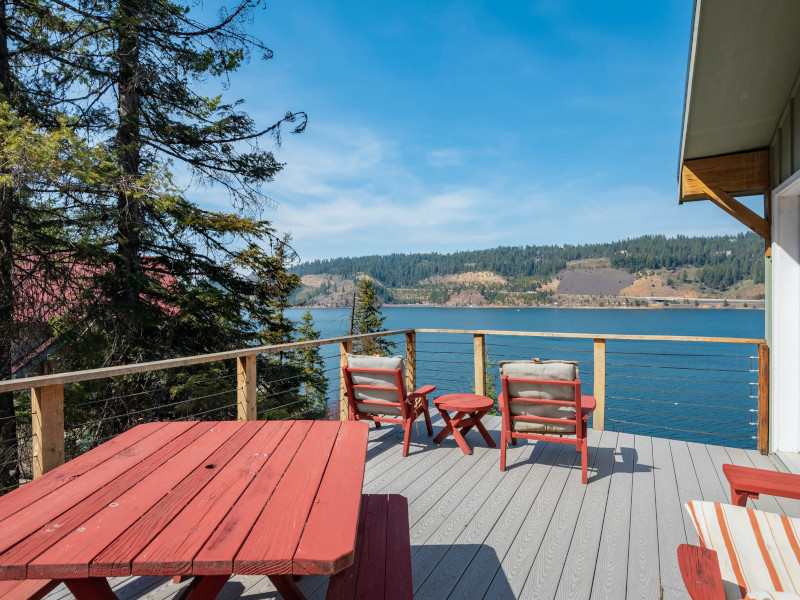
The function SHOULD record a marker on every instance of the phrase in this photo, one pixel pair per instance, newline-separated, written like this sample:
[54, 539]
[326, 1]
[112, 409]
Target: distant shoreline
[712, 305]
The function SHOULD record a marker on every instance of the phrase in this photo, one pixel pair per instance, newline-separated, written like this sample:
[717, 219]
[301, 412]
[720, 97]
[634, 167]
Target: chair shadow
[389, 438]
[623, 460]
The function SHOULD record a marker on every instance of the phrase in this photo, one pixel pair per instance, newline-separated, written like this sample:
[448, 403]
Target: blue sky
[441, 126]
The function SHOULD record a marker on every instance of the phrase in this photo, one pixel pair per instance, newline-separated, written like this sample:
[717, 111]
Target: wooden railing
[47, 391]
[599, 364]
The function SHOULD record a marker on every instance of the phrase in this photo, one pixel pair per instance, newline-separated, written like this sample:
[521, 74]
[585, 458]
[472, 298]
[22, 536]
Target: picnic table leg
[286, 587]
[204, 587]
[91, 588]
[739, 498]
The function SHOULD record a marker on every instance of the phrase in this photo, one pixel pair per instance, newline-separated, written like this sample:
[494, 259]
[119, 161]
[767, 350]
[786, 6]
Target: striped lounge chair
[758, 553]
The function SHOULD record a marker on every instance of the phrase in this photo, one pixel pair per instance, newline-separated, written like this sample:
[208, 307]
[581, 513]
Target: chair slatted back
[574, 404]
[541, 397]
[375, 389]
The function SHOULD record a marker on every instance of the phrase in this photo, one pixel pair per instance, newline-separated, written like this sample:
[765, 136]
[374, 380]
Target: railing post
[763, 398]
[479, 345]
[411, 362]
[599, 416]
[345, 348]
[47, 405]
[246, 393]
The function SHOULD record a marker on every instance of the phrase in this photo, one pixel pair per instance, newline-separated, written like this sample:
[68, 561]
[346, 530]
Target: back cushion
[557, 370]
[385, 379]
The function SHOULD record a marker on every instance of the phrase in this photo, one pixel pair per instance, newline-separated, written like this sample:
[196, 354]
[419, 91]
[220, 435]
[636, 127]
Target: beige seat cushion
[377, 362]
[558, 370]
[758, 552]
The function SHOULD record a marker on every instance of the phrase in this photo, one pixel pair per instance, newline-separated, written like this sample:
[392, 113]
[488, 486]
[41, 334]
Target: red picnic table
[201, 499]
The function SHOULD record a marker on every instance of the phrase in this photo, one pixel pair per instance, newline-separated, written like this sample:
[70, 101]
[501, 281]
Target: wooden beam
[47, 408]
[721, 178]
[345, 348]
[763, 398]
[599, 416]
[741, 174]
[732, 206]
[411, 362]
[479, 352]
[246, 395]
[739, 212]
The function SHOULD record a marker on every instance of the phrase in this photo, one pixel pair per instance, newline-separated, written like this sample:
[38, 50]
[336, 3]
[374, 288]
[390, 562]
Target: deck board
[643, 564]
[575, 582]
[669, 520]
[688, 486]
[533, 531]
[611, 580]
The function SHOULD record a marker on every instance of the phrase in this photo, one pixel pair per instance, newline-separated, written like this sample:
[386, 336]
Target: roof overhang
[744, 59]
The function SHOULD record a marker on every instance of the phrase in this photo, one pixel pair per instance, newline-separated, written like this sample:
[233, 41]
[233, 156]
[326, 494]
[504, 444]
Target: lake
[685, 390]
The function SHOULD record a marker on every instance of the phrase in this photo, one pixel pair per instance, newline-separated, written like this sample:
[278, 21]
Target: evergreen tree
[315, 384]
[197, 280]
[368, 319]
[162, 276]
[43, 169]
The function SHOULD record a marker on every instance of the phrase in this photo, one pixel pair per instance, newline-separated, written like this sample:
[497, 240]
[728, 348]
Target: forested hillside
[721, 261]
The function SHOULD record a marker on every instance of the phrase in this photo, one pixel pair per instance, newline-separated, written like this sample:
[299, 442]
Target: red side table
[465, 405]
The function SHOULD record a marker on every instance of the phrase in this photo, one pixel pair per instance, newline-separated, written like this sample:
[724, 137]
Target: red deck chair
[541, 398]
[376, 392]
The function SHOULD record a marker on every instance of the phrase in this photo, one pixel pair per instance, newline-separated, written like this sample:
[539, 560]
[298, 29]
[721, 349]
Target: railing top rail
[171, 363]
[606, 336]
[24, 383]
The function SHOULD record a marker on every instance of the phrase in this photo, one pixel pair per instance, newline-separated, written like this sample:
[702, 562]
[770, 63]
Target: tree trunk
[9, 469]
[128, 265]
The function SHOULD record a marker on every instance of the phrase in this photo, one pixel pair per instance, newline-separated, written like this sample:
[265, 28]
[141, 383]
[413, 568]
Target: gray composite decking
[534, 531]
[787, 461]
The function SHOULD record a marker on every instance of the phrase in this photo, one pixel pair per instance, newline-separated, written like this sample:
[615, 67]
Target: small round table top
[463, 402]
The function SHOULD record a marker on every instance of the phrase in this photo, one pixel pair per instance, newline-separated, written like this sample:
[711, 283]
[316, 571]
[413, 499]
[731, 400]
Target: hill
[683, 267]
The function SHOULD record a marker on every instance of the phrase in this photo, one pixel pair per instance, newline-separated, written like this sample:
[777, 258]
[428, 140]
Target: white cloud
[446, 157]
[349, 191]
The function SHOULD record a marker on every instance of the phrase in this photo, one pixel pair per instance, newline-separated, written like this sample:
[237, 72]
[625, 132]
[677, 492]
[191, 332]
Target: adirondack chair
[376, 392]
[744, 553]
[541, 400]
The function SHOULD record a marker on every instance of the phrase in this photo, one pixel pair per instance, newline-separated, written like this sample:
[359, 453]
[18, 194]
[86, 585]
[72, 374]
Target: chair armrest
[588, 404]
[421, 392]
[700, 571]
[747, 482]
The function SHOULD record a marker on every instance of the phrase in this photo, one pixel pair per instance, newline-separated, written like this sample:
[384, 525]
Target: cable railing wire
[626, 387]
[739, 408]
[685, 417]
[153, 408]
[695, 431]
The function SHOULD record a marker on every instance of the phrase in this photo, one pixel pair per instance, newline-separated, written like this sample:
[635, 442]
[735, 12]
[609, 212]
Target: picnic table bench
[201, 499]
[749, 482]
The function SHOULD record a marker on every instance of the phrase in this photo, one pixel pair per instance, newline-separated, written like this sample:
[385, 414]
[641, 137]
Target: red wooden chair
[741, 547]
[541, 398]
[376, 392]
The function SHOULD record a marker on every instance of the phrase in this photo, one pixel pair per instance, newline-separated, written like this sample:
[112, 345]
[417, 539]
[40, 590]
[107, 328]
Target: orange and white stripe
[759, 552]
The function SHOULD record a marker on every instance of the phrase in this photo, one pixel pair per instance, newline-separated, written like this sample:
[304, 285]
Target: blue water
[693, 391]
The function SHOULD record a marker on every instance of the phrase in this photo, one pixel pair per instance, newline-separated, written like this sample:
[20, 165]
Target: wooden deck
[788, 462]
[534, 531]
